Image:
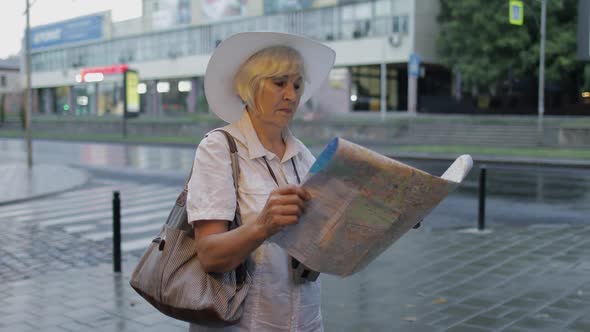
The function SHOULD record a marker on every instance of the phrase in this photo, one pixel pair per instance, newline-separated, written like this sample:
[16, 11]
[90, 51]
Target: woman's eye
[280, 83]
[297, 86]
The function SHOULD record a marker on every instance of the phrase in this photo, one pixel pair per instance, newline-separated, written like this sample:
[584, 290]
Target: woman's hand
[283, 207]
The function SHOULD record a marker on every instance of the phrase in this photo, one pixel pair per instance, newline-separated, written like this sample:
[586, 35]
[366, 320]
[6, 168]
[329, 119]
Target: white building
[169, 47]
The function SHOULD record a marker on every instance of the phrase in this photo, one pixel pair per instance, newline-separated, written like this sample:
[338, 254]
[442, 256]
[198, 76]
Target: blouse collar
[243, 131]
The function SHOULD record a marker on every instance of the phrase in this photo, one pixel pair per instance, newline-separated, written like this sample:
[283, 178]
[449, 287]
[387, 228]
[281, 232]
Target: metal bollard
[481, 218]
[116, 232]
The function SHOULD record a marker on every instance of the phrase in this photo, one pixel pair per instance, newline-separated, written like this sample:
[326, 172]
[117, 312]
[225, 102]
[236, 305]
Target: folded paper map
[362, 203]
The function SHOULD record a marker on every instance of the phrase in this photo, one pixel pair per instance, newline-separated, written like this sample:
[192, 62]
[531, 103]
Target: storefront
[109, 90]
[172, 96]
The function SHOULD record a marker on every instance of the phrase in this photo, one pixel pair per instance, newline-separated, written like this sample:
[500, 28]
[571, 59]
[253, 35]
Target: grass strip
[538, 152]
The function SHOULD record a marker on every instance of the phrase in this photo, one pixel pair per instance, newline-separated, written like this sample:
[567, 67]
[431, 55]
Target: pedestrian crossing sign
[516, 14]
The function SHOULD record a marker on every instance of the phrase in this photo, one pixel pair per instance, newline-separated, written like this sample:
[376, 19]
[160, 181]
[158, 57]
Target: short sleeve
[211, 193]
[306, 159]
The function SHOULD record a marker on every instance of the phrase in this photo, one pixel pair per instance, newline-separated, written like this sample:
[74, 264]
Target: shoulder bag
[170, 277]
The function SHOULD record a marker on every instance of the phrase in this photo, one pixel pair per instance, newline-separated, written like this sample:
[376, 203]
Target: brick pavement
[514, 279]
[520, 278]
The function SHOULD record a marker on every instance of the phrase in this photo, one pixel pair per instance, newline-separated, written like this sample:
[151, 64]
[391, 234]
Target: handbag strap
[233, 150]
[235, 166]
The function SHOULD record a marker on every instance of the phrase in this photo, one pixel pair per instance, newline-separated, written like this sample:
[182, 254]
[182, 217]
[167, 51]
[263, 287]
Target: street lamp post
[29, 103]
[541, 101]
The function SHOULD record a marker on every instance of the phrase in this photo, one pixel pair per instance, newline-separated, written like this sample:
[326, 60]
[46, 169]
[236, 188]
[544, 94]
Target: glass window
[174, 95]
[310, 26]
[381, 26]
[363, 10]
[395, 24]
[383, 8]
[405, 24]
[3, 80]
[327, 25]
[62, 97]
[347, 30]
[348, 13]
[145, 48]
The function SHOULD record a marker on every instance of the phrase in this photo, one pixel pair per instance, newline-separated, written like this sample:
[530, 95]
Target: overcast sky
[13, 20]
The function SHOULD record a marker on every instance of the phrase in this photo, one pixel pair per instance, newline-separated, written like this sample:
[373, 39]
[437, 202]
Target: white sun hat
[227, 58]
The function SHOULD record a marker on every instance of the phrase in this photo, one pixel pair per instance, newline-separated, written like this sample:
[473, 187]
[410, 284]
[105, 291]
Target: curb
[45, 195]
[82, 181]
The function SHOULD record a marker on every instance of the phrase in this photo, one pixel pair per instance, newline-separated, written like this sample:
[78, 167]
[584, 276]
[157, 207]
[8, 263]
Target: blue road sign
[414, 65]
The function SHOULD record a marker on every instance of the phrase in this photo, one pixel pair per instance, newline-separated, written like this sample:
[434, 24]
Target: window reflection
[355, 20]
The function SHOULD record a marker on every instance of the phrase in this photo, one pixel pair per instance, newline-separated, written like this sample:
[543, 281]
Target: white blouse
[274, 302]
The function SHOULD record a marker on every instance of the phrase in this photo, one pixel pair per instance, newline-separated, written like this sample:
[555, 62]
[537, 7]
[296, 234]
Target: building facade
[170, 44]
[10, 87]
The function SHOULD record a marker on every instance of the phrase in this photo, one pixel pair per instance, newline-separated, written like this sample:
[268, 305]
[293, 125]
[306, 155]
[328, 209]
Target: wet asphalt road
[514, 194]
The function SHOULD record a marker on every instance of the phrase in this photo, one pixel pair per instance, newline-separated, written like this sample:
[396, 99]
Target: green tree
[477, 40]
[2, 114]
[22, 114]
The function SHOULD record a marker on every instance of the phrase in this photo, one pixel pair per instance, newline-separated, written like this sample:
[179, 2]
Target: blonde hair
[269, 62]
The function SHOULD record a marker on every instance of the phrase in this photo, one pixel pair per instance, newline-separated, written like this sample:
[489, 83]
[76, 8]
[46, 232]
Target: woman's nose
[290, 92]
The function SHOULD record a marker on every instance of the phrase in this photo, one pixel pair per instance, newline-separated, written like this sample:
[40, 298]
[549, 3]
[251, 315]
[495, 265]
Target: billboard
[170, 13]
[219, 9]
[87, 28]
[278, 6]
[131, 93]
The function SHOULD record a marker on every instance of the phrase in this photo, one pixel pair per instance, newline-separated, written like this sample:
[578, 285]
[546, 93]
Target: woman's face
[278, 99]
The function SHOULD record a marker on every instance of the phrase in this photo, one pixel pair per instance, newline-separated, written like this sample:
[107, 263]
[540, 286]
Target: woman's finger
[287, 210]
[287, 200]
[293, 190]
[285, 220]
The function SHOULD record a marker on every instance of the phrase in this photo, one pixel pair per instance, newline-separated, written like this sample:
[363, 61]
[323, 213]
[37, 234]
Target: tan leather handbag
[170, 277]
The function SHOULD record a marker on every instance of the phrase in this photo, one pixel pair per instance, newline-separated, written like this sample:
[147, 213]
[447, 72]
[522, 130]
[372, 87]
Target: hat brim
[227, 58]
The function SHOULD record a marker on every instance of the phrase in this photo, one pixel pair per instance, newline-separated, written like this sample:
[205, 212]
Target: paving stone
[456, 292]
[54, 320]
[556, 314]
[569, 304]
[441, 279]
[517, 329]
[581, 325]
[20, 327]
[537, 323]
[432, 318]
[523, 303]
[488, 322]
[74, 326]
[514, 314]
[456, 314]
[498, 312]
[53, 329]
[478, 302]
[543, 295]
[166, 327]
[151, 318]
[466, 328]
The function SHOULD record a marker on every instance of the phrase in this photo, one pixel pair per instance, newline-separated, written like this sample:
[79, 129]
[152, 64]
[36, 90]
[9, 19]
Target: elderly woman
[255, 81]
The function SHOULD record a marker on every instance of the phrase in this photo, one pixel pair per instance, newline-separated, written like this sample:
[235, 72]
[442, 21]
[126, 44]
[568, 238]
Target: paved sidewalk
[529, 278]
[512, 279]
[19, 183]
